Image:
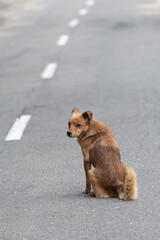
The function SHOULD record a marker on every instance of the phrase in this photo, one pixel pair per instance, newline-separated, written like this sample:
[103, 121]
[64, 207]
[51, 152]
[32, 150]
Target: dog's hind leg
[92, 194]
[99, 191]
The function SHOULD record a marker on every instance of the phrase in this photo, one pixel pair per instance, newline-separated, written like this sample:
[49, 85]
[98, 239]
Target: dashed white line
[49, 71]
[83, 11]
[63, 40]
[16, 131]
[90, 3]
[73, 22]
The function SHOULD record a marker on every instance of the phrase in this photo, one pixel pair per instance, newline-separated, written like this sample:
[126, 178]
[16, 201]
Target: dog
[109, 177]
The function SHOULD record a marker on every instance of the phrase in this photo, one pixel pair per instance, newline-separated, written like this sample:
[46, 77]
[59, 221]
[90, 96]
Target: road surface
[97, 55]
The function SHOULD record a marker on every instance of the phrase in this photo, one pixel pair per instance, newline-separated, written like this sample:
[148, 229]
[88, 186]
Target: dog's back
[104, 155]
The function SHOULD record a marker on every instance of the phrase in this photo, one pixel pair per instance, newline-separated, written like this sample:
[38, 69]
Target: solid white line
[63, 40]
[49, 71]
[90, 3]
[83, 11]
[16, 131]
[73, 22]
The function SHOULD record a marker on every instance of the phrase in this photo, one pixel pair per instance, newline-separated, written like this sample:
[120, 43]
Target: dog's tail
[130, 186]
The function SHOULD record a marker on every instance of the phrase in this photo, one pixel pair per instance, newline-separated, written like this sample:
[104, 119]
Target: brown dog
[109, 177]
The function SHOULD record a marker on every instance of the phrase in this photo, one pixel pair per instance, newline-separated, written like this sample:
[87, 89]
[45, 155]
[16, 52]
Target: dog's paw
[86, 192]
[92, 194]
[87, 189]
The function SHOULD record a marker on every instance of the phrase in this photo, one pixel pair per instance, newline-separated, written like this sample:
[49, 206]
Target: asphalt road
[110, 65]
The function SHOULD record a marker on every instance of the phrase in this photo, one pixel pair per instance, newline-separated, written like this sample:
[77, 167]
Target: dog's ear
[87, 115]
[75, 110]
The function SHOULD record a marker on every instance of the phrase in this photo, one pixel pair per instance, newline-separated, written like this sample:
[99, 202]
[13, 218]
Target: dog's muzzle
[69, 134]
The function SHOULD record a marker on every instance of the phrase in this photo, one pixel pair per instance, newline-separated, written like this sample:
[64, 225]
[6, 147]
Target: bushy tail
[130, 187]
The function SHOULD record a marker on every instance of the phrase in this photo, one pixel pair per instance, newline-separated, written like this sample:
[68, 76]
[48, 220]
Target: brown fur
[109, 177]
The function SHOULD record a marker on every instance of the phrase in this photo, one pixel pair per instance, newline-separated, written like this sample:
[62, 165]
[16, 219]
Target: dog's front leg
[87, 167]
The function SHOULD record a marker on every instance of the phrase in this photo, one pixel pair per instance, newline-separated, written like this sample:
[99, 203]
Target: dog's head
[78, 123]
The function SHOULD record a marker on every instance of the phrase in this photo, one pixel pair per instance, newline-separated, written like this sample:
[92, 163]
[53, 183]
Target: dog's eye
[78, 125]
[69, 124]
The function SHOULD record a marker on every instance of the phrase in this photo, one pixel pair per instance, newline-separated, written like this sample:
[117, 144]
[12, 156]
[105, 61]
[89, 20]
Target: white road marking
[63, 40]
[6, 34]
[35, 7]
[151, 6]
[49, 71]
[73, 22]
[16, 131]
[15, 24]
[149, 9]
[90, 3]
[83, 11]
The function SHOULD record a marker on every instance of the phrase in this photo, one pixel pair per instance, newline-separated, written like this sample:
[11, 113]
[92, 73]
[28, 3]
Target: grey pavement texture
[6, 4]
[110, 66]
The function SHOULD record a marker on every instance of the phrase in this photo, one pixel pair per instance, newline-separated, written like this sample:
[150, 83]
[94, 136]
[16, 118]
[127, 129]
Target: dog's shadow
[81, 196]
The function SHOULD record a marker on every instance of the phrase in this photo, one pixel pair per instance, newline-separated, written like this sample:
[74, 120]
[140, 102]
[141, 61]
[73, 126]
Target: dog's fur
[109, 177]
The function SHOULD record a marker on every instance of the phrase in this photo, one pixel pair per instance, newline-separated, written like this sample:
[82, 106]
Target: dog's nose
[69, 133]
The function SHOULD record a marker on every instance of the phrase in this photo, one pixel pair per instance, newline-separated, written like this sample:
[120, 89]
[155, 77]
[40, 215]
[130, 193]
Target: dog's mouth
[70, 134]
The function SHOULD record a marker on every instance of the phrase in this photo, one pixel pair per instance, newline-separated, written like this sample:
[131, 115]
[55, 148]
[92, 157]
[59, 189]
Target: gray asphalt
[110, 66]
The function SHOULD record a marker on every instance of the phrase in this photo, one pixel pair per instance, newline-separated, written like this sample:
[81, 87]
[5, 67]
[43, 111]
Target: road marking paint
[16, 24]
[16, 131]
[73, 22]
[152, 6]
[49, 71]
[90, 3]
[63, 40]
[6, 34]
[35, 7]
[83, 11]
